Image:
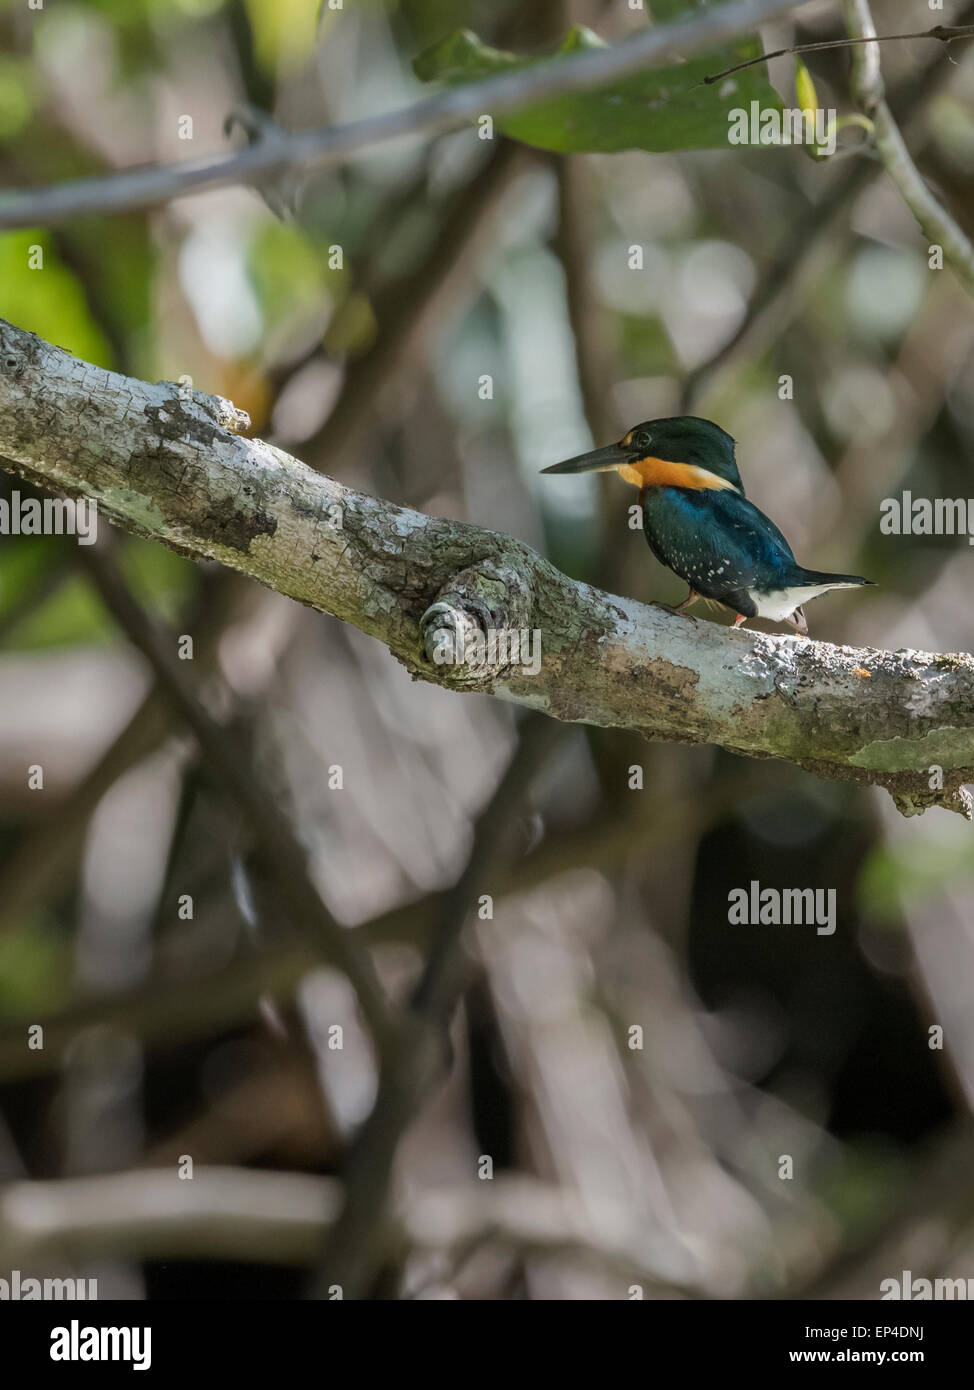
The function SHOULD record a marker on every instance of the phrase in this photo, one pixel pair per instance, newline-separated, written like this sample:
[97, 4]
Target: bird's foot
[691, 597]
[669, 608]
[798, 622]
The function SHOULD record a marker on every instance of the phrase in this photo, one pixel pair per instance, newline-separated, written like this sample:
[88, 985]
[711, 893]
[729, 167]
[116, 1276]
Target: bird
[700, 525]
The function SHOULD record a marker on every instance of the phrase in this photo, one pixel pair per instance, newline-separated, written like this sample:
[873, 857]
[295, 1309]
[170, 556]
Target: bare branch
[224, 1213]
[146, 187]
[281, 1218]
[935, 222]
[168, 468]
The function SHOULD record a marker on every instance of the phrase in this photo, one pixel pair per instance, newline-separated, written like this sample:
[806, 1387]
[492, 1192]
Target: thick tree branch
[448, 110]
[169, 468]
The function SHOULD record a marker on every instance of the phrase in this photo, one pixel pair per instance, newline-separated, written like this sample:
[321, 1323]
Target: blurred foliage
[48, 296]
[16, 102]
[72, 613]
[284, 32]
[893, 882]
[35, 969]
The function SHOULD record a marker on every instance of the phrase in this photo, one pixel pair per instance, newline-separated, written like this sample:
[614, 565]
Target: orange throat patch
[650, 472]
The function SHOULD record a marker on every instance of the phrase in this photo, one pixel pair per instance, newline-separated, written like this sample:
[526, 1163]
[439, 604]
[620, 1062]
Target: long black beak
[598, 461]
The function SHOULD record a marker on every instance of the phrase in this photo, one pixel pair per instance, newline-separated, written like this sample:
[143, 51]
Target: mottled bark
[172, 468]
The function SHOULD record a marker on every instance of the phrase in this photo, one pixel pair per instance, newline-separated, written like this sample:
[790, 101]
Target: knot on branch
[17, 348]
[478, 628]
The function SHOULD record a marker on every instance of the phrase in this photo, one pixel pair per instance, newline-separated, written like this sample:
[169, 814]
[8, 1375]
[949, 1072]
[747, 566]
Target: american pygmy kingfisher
[700, 525]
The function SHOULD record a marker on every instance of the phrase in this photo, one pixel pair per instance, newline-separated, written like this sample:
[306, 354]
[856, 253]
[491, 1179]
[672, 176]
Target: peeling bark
[168, 465]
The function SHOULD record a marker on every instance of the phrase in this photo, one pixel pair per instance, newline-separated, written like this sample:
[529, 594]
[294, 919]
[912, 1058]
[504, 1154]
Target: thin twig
[781, 280]
[935, 222]
[596, 373]
[946, 33]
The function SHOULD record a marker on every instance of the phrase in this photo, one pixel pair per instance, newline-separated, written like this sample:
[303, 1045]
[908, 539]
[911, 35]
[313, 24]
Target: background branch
[281, 852]
[202, 1008]
[944, 33]
[448, 110]
[354, 1250]
[279, 1218]
[935, 221]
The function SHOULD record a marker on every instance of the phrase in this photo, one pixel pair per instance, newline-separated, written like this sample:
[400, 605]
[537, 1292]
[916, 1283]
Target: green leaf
[805, 88]
[659, 109]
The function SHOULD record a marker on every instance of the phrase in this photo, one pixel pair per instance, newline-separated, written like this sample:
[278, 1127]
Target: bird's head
[679, 451]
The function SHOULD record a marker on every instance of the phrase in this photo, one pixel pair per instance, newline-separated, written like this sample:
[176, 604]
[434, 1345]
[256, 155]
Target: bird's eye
[641, 439]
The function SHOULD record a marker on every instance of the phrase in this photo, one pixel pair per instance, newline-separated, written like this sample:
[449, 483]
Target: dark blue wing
[718, 541]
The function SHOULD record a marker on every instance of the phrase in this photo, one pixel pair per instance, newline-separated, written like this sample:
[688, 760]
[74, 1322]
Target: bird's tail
[834, 581]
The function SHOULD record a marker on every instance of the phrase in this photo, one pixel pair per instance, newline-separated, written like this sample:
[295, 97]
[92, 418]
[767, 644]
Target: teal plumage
[699, 523]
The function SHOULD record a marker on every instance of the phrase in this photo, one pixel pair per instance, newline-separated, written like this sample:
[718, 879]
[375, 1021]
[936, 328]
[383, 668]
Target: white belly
[781, 603]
